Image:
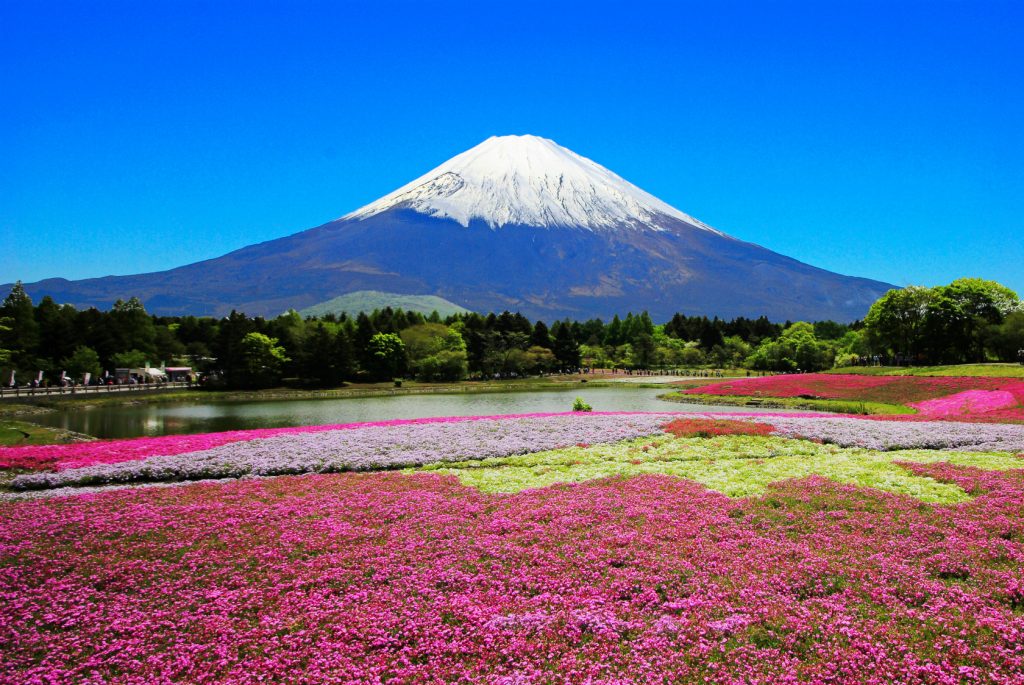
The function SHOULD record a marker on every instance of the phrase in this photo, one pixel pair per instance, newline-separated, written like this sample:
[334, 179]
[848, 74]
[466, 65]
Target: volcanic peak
[529, 181]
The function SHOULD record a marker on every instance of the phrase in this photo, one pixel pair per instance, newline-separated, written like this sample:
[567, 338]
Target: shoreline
[18, 427]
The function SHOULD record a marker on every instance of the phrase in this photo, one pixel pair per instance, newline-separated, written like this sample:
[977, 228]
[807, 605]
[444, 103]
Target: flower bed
[400, 445]
[972, 398]
[349, 578]
[360, 447]
[77, 455]
[709, 428]
[967, 402]
[735, 465]
[893, 435]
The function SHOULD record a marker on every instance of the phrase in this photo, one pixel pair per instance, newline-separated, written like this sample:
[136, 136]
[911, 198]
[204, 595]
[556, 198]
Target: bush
[579, 405]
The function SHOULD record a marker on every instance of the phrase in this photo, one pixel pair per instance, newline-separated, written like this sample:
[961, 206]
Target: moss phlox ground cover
[77, 455]
[373, 578]
[359, 448]
[478, 442]
[734, 465]
[708, 428]
[968, 398]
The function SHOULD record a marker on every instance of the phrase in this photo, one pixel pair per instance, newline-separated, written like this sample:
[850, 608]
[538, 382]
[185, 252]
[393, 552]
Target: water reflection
[113, 421]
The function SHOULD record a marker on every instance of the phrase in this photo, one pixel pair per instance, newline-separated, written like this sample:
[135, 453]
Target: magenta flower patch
[967, 402]
[388, 578]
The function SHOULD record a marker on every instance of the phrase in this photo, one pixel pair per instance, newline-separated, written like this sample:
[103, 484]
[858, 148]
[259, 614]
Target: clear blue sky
[881, 139]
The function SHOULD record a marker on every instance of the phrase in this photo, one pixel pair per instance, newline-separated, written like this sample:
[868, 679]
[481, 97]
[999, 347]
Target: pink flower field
[387, 578]
[414, 577]
[80, 454]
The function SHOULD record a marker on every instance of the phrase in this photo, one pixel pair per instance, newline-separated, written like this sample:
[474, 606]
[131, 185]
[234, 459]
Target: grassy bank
[836, 406]
[16, 432]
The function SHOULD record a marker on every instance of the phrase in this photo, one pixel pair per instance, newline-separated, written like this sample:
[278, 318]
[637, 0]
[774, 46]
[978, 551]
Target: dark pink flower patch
[991, 399]
[415, 579]
[966, 402]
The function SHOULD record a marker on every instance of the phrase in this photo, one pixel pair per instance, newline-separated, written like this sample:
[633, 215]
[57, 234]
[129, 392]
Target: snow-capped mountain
[516, 223]
[528, 181]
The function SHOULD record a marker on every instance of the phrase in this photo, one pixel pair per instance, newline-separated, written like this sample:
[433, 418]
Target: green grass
[972, 370]
[23, 433]
[737, 466]
[836, 406]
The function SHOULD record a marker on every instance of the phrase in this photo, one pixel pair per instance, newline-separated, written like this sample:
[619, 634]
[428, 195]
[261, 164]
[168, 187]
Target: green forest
[969, 320]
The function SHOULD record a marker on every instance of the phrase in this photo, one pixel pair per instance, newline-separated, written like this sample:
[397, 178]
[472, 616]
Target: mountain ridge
[457, 233]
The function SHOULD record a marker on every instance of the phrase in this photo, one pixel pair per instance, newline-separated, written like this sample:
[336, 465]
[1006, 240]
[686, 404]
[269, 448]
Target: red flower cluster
[708, 428]
[388, 578]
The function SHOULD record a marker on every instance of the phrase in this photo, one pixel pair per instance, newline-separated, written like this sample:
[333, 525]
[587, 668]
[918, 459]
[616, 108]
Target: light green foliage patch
[737, 466]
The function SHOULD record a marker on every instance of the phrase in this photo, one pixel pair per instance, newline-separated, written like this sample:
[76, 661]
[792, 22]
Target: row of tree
[968, 320]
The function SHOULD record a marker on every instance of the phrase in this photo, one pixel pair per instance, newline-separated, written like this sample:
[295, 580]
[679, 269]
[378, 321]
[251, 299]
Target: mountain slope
[515, 223]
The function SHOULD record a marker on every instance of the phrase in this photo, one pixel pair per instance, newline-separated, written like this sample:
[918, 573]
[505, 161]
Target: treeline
[969, 320]
[244, 351]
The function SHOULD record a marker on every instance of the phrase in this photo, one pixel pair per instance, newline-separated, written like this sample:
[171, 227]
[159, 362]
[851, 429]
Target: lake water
[113, 421]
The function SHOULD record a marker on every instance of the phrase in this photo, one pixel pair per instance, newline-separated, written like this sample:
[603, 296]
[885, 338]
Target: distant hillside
[368, 300]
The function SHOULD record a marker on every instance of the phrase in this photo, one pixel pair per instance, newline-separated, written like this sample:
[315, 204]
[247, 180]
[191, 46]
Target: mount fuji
[517, 223]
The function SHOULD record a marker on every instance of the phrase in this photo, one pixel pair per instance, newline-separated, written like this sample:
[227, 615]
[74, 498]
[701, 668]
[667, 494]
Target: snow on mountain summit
[531, 181]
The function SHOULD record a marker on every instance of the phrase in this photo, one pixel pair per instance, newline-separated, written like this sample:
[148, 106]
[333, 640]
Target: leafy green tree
[896, 321]
[344, 358]
[429, 338]
[735, 350]
[168, 347]
[950, 323]
[261, 360]
[22, 336]
[593, 356]
[83, 360]
[621, 355]
[541, 336]
[796, 349]
[386, 353]
[324, 357]
[58, 331]
[227, 347]
[506, 353]
[613, 333]
[961, 313]
[1007, 338]
[692, 355]
[809, 353]
[132, 327]
[133, 359]
[5, 354]
[443, 365]
[364, 332]
[539, 359]
[643, 350]
[435, 352]
[566, 348]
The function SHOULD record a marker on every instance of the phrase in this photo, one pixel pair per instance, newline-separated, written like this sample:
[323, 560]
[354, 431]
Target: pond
[128, 421]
